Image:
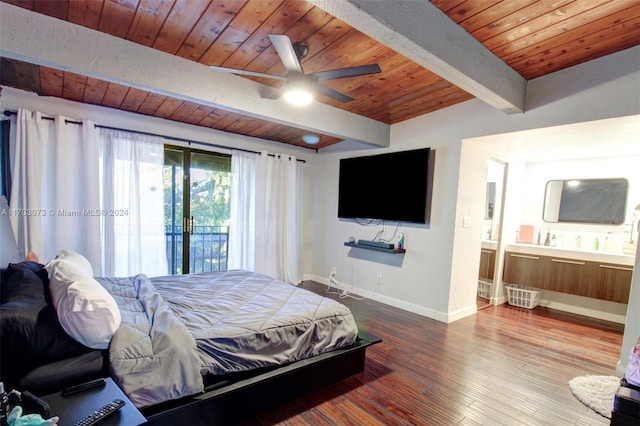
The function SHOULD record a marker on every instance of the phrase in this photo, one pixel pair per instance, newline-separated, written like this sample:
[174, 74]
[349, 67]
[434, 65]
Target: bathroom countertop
[590, 255]
[489, 244]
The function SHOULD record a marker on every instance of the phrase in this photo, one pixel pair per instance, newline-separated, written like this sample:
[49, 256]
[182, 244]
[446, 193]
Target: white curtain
[242, 230]
[55, 187]
[266, 231]
[133, 199]
[97, 192]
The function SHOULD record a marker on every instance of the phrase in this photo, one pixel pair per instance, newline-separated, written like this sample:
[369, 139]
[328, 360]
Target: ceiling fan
[296, 80]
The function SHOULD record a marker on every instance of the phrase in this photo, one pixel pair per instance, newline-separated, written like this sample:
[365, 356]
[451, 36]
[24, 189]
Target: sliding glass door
[197, 187]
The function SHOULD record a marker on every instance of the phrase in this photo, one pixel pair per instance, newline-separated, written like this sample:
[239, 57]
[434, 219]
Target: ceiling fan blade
[285, 50]
[331, 93]
[347, 72]
[249, 73]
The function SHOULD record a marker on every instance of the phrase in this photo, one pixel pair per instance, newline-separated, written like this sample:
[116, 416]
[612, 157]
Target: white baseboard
[593, 313]
[401, 304]
[575, 309]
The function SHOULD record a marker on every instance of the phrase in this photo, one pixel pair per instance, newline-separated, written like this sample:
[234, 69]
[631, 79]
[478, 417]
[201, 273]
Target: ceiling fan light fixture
[298, 97]
[311, 139]
[297, 91]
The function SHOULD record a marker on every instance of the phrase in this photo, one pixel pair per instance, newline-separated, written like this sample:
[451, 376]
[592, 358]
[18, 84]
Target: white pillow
[85, 309]
[78, 260]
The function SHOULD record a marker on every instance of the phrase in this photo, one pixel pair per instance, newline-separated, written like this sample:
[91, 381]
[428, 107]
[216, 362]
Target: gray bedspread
[176, 329]
[242, 320]
[153, 357]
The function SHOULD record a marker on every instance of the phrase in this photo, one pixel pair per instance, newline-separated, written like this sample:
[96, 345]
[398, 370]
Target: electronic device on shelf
[380, 244]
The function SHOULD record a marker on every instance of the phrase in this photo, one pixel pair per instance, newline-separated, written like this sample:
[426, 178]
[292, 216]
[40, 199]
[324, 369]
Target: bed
[200, 348]
[215, 324]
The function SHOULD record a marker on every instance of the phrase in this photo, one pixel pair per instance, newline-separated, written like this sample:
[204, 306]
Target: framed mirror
[595, 201]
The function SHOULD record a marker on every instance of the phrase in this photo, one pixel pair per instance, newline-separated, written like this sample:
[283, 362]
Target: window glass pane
[210, 180]
[173, 205]
[203, 206]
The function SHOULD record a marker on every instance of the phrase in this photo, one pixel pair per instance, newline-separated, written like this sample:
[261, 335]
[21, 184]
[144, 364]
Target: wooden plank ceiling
[534, 38]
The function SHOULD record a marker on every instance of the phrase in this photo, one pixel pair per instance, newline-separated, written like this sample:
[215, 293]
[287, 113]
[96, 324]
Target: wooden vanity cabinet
[524, 269]
[487, 263]
[598, 280]
[610, 281]
[567, 276]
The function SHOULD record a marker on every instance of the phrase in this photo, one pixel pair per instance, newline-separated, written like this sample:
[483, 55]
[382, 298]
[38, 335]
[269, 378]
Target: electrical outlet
[379, 280]
[334, 271]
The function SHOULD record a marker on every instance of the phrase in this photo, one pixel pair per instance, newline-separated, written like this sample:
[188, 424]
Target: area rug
[596, 392]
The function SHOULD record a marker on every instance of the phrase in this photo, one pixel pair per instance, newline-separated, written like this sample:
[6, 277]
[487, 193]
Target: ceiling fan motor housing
[302, 49]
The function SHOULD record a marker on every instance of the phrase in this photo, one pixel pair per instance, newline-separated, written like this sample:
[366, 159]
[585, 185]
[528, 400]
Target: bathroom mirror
[596, 201]
[490, 201]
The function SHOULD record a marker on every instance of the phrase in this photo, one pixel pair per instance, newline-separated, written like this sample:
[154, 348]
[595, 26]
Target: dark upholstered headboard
[36, 354]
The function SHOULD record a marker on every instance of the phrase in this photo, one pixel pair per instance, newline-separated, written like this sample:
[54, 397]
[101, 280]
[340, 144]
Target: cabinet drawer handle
[619, 268]
[524, 256]
[573, 262]
[486, 251]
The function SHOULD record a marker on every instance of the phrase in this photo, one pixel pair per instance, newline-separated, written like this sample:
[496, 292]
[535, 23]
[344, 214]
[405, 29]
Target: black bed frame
[242, 397]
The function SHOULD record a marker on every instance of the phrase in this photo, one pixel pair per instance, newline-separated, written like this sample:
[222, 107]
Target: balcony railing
[207, 252]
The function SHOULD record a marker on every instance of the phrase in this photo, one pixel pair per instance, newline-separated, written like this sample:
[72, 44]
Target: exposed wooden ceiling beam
[43, 40]
[421, 32]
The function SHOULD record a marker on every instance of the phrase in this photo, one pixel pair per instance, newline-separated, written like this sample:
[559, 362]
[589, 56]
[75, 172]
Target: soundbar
[375, 244]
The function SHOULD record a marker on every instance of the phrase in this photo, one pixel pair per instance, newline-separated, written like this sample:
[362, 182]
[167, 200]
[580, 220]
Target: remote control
[98, 383]
[101, 413]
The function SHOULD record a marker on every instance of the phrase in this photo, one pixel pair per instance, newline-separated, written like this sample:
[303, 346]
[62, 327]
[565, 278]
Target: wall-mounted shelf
[374, 248]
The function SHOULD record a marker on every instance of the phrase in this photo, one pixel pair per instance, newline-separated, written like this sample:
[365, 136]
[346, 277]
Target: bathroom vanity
[595, 274]
[487, 260]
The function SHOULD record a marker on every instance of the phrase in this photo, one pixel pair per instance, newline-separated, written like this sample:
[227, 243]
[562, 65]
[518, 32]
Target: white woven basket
[485, 289]
[522, 296]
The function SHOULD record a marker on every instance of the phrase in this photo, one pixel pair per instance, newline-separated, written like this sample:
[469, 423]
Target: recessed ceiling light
[311, 139]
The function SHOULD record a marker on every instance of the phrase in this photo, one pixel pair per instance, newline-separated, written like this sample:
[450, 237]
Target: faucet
[632, 226]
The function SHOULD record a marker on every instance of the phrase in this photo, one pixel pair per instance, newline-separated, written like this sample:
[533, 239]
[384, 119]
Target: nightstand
[75, 407]
[626, 407]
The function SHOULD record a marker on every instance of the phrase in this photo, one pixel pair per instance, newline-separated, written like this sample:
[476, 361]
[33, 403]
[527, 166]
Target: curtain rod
[172, 138]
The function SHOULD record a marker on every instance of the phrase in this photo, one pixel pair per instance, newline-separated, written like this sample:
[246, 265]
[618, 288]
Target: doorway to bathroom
[492, 228]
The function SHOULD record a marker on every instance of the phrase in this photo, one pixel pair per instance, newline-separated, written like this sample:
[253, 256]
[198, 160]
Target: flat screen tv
[393, 186]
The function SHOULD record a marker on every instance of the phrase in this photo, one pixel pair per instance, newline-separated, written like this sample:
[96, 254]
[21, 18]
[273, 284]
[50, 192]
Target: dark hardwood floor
[502, 366]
